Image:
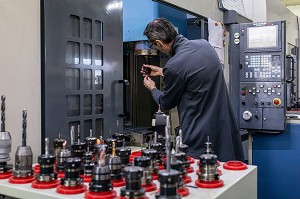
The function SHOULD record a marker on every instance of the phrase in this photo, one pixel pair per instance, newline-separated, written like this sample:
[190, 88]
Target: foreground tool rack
[237, 185]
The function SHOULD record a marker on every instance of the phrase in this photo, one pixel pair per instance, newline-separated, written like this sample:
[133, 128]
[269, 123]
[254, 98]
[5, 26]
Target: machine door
[82, 64]
[259, 92]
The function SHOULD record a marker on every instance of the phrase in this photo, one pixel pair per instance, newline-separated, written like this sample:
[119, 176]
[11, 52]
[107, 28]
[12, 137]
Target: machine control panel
[261, 96]
[262, 67]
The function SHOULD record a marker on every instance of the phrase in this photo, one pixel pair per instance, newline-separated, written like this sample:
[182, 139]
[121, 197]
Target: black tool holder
[62, 156]
[145, 163]
[90, 143]
[152, 154]
[115, 166]
[119, 139]
[178, 166]
[109, 142]
[101, 185]
[124, 155]
[87, 164]
[208, 168]
[46, 162]
[133, 177]
[168, 184]
[72, 173]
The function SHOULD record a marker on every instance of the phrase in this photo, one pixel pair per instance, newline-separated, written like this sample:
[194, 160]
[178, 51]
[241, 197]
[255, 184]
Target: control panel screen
[262, 37]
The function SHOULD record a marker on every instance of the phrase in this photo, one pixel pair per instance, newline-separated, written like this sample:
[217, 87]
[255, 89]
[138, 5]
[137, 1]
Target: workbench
[237, 185]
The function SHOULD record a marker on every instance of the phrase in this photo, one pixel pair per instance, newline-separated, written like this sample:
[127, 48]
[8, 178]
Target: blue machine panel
[137, 14]
[278, 159]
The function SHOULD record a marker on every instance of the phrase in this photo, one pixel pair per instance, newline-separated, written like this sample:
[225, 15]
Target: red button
[243, 92]
[276, 101]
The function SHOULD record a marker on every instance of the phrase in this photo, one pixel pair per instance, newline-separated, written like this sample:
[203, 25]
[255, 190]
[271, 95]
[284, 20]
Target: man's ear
[160, 43]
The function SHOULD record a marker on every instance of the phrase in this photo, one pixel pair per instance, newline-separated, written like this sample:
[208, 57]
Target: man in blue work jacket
[193, 81]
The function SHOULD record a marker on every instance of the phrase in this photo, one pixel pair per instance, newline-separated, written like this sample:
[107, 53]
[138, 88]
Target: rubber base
[45, 185]
[154, 176]
[15, 180]
[187, 179]
[60, 174]
[190, 169]
[150, 187]
[103, 195]
[212, 184]
[134, 154]
[161, 167]
[5, 175]
[235, 165]
[36, 169]
[183, 192]
[70, 190]
[87, 178]
[192, 160]
[118, 183]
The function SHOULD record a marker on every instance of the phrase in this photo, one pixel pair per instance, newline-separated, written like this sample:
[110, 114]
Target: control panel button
[243, 92]
[247, 115]
[276, 101]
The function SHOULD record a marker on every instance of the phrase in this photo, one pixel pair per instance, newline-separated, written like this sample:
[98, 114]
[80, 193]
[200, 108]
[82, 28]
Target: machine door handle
[292, 61]
[126, 95]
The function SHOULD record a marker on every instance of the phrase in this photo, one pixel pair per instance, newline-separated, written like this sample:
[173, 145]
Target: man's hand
[154, 70]
[149, 83]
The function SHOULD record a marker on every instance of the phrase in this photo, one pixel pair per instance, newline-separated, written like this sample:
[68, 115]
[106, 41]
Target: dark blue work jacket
[194, 82]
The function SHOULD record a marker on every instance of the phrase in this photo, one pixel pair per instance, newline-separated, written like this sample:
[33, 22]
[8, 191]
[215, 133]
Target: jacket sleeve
[172, 90]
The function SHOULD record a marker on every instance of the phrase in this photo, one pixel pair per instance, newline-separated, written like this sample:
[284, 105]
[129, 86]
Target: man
[193, 81]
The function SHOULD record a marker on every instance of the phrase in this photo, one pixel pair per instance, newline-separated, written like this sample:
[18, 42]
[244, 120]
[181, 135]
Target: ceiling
[292, 5]
[290, 2]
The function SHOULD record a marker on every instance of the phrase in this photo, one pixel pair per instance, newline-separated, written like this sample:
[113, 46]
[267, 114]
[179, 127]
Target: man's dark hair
[160, 29]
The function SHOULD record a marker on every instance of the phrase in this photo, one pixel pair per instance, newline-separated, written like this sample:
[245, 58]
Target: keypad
[262, 66]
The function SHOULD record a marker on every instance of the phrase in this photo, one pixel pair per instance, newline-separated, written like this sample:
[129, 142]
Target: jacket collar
[178, 41]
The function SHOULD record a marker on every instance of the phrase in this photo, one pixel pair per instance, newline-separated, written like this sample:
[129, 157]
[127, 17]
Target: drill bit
[180, 137]
[2, 113]
[24, 127]
[155, 137]
[72, 134]
[78, 133]
[113, 150]
[91, 133]
[177, 145]
[100, 139]
[46, 147]
[168, 144]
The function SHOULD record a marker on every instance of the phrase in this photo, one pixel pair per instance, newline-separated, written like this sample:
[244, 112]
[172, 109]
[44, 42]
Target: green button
[243, 88]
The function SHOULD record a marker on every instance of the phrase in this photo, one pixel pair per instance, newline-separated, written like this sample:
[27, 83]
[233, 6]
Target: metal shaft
[180, 137]
[46, 147]
[177, 144]
[78, 133]
[2, 113]
[24, 127]
[72, 134]
[168, 144]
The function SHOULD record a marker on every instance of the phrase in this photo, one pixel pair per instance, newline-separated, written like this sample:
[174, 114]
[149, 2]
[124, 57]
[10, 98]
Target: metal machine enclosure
[258, 86]
[82, 67]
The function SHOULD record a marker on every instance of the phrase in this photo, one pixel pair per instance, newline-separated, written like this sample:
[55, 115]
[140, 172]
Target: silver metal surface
[23, 161]
[5, 146]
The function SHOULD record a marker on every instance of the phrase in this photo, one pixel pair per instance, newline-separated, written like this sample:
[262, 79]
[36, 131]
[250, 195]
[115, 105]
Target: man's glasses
[153, 43]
